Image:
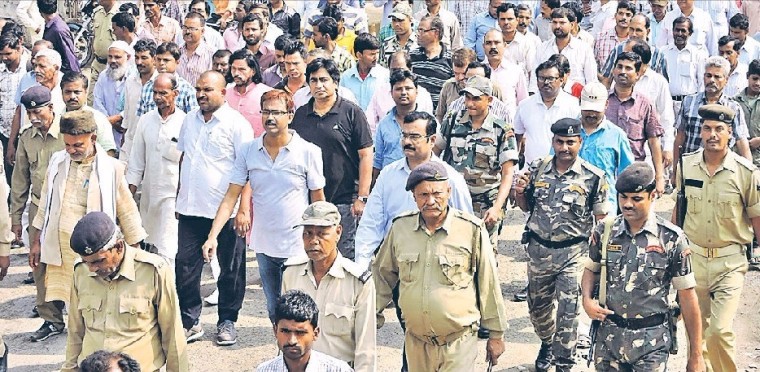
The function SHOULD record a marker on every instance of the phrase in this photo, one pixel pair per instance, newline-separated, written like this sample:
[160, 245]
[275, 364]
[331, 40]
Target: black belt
[100, 60]
[678, 98]
[637, 323]
[555, 245]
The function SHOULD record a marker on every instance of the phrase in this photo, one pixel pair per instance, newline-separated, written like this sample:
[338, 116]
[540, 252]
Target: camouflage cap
[430, 171]
[716, 112]
[636, 177]
[92, 233]
[567, 127]
[478, 86]
[320, 213]
[401, 10]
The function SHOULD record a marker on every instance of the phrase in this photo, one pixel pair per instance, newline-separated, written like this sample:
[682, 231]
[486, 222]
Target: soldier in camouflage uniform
[645, 255]
[483, 148]
[563, 194]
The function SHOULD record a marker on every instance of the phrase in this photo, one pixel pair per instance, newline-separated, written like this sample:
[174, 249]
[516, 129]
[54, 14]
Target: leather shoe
[544, 359]
[483, 333]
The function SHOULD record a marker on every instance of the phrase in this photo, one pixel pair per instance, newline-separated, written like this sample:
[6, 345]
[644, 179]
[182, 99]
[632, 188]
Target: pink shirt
[232, 39]
[248, 104]
[514, 87]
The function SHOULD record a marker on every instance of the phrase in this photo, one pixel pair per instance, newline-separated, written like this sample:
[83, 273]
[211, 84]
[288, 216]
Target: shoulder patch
[668, 225]
[467, 217]
[150, 258]
[406, 214]
[361, 273]
[592, 168]
[297, 260]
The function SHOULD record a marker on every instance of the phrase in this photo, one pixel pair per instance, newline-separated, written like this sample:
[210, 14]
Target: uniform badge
[88, 250]
[614, 247]
[655, 248]
[577, 188]
[541, 184]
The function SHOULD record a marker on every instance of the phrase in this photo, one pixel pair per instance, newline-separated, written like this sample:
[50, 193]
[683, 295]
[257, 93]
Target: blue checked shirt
[658, 62]
[185, 101]
[387, 141]
[480, 24]
[689, 121]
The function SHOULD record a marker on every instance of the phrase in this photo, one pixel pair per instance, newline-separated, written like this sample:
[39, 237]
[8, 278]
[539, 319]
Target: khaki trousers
[719, 287]
[456, 356]
[51, 311]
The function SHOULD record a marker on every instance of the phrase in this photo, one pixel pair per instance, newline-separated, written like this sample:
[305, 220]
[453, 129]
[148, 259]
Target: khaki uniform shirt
[137, 313]
[563, 206]
[103, 31]
[719, 208]
[447, 278]
[642, 266]
[345, 297]
[6, 236]
[32, 156]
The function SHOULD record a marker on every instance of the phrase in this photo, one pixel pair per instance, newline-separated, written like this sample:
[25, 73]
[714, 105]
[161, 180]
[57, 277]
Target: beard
[117, 74]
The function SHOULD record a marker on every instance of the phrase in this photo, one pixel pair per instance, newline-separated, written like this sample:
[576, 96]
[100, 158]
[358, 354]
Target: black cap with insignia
[637, 177]
[430, 171]
[567, 127]
[92, 233]
[716, 112]
[35, 96]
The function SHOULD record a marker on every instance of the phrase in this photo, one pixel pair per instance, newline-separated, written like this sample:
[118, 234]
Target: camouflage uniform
[478, 155]
[562, 215]
[640, 270]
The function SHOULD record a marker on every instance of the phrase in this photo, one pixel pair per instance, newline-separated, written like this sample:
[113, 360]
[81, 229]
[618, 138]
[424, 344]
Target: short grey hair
[719, 62]
[52, 56]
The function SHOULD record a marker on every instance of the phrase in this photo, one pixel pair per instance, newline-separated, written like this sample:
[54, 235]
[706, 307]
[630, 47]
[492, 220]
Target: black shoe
[563, 368]
[544, 359]
[521, 296]
[35, 312]
[46, 331]
[484, 334]
[29, 279]
[4, 360]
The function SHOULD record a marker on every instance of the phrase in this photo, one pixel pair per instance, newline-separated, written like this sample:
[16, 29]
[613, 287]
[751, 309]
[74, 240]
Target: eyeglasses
[422, 30]
[275, 113]
[547, 79]
[414, 137]
[193, 29]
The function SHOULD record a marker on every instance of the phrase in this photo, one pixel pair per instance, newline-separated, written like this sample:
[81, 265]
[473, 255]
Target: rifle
[601, 288]
[681, 196]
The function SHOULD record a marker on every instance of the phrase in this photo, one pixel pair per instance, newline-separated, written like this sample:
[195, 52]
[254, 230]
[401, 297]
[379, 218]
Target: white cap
[594, 97]
[119, 44]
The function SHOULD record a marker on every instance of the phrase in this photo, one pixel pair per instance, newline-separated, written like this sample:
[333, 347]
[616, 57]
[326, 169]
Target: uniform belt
[637, 323]
[100, 60]
[445, 340]
[678, 98]
[728, 250]
[555, 245]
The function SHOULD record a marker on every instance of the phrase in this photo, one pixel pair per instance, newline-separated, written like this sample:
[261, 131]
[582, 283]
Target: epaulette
[405, 214]
[356, 270]
[692, 153]
[593, 169]
[466, 216]
[150, 258]
[745, 162]
[295, 261]
[668, 225]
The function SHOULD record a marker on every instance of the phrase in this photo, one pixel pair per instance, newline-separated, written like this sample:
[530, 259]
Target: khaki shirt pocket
[135, 313]
[694, 203]
[729, 205]
[456, 269]
[405, 265]
[88, 307]
[338, 319]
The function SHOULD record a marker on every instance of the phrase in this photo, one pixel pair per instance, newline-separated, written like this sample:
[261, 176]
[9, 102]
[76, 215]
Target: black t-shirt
[341, 133]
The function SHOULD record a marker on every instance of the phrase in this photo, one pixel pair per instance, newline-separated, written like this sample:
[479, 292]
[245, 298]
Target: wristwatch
[362, 199]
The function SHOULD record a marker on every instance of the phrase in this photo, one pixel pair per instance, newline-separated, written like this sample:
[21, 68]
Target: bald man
[211, 135]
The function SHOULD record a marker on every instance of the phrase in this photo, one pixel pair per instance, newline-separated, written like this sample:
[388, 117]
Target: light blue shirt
[609, 150]
[388, 199]
[387, 141]
[363, 89]
[482, 23]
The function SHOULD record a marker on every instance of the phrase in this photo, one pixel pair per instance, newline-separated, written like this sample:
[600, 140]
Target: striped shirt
[638, 118]
[689, 121]
[185, 100]
[657, 63]
[354, 19]
[391, 45]
[432, 72]
[605, 44]
[190, 67]
[318, 362]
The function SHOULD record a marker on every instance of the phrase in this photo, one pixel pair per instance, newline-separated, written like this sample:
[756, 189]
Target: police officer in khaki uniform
[441, 259]
[723, 205]
[564, 195]
[5, 251]
[103, 36]
[644, 255]
[123, 299]
[343, 290]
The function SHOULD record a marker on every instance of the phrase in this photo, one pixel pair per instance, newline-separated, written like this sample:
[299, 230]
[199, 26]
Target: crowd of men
[370, 168]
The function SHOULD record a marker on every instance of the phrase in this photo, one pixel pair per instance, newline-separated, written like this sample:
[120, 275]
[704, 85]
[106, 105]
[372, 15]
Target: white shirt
[750, 50]
[209, 156]
[522, 52]
[720, 11]
[534, 120]
[130, 100]
[303, 95]
[737, 80]
[686, 68]
[600, 14]
[280, 191]
[586, 37]
[703, 35]
[581, 56]
[655, 87]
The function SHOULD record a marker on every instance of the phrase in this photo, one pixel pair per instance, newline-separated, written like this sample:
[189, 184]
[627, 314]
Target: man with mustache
[513, 87]
[123, 299]
[633, 112]
[74, 89]
[167, 57]
[496, 107]
[326, 34]
[275, 73]
[685, 62]
[145, 62]
[482, 23]
[607, 40]
[344, 290]
[519, 48]
[110, 85]
[442, 261]
[644, 256]
[449, 92]
[565, 196]
[245, 95]
[723, 209]
[388, 137]
[404, 38]
[750, 48]
[729, 48]
[296, 330]
[703, 29]
[81, 179]
[157, 27]
[254, 31]
[450, 30]
[12, 71]
[543, 23]
[196, 52]
[525, 25]
[366, 75]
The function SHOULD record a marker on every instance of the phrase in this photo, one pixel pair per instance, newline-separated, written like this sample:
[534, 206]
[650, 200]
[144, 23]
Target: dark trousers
[348, 223]
[193, 232]
[8, 168]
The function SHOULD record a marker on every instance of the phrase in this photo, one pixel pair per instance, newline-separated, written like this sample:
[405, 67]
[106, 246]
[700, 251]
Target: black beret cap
[35, 96]
[567, 127]
[637, 177]
[92, 233]
[430, 171]
[716, 112]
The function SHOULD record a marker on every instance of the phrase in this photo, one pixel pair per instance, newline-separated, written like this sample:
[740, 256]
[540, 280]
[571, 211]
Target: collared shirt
[514, 87]
[137, 312]
[750, 50]
[605, 43]
[608, 149]
[185, 101]
[56, 96]
[533, 119]
[272, 76]
[638, 118]
[452, 36]
[345, 40]
[9, 84]
[522, 52]
[391, 45]
[437, 272]
[466, 11]
[353, 18]
[655, 29]
[280, 191]
[387, 141]
[287, 19]
[657, 63]
[345, 297]
[168, 30]
[382, 102]
[58, 33]
[653, 85]
[737, 80]
[585, 37]
[248, 104]
[318, 362]
[751, 107]
[128, 104]
[689, 121]
[751, 8]
[342, 58]
[210, 149]
[582, 64]
[543, 28]
[686, 68]
[191, 66]
[363, 89]
[107, 92]
[704, 34]
[33, 154]
[720, 12]
[388, 200]
[476, 31]
[432, 72]
[600, 15]
[102, 31]
[340, 133]
[728, 199]
[265, 55]
[233, 40]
